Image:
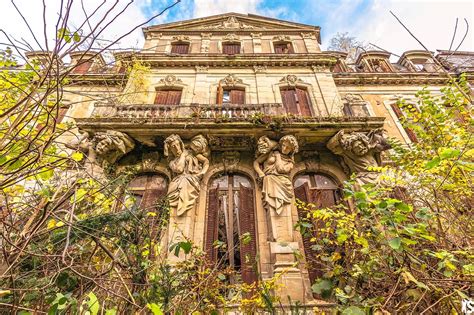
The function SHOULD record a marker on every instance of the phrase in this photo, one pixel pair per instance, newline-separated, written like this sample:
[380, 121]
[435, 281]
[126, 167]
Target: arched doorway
[231, 214]
[322, 191]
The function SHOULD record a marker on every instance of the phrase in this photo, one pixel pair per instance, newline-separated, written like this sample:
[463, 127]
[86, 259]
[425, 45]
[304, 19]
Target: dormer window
[231, 48]
[283, 48]
[180, 48]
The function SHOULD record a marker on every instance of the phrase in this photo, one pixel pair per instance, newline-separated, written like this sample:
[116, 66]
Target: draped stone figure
[278, 161]
[360, 151]
[187, 168]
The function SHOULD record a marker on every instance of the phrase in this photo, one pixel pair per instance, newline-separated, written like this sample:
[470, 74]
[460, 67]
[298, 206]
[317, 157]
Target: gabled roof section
[233, 22]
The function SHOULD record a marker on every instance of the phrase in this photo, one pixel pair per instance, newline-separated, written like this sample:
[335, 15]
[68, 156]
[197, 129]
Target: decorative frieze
[181, 38]
[260, 69]
[230, 23]
[153, 35]
[202, 69]
[281, 38]
[206, 35]
[256, 35]
[320, 68]
[231, 37]
[308, 35]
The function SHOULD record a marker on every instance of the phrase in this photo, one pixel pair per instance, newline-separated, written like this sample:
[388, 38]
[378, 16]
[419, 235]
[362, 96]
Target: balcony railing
[202, 111]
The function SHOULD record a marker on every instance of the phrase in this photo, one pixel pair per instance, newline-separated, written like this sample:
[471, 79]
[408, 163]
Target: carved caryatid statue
[104, 148]
[278, 161]
[360, 151]
[187, 167]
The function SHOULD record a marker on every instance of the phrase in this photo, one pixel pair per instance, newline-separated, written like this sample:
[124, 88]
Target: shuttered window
[147, 190]
[231, 48]
[401, 117]
[230, 215]
[296, 101]
[179, 48]
[82, 66]
[168, 97]
[323, 192]
[283, 48]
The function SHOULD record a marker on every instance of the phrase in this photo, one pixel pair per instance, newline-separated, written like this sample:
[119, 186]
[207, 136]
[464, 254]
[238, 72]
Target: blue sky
[369, 20]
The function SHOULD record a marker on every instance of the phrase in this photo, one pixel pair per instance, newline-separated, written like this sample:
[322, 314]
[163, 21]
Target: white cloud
[432, 22]
[212, 7]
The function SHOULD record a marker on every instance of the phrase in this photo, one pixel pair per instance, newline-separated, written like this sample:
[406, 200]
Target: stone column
[201, 87]
[205, 42]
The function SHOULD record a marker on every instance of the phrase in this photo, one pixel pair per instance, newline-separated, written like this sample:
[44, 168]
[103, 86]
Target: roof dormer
[374, 61]
[417, 61]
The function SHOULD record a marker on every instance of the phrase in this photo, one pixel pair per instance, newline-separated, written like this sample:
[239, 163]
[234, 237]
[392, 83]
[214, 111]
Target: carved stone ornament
[231, 37]
[202, 69]
[187, 166]
[291, 80]
[256, 35]
[360, 151]
[230, 160]
[273, 165]
[206, 35]
[181, 38]
[308, 35]
[260, 69]
[281, 38]
[153, 35]
[320, 68]
[230, 23]
[231, 80]
[171, 80]
[235, 142]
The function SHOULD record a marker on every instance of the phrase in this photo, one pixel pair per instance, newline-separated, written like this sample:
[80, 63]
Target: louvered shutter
[303, 102]
[289, 101]
[247, 225]
[180, 48]
[303, 193]
[212, 221]
[174, 97]
[231, 49]
[155, 188]
[401, 116]
[220, 94]
[237, 97]
[161, 97]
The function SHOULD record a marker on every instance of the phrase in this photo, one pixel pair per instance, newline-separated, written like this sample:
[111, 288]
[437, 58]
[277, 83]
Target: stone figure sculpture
[104, 148]
[187, 166]
[278, 161]
[360, 151]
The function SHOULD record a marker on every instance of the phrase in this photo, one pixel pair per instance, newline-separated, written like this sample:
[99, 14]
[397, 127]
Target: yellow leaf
[151, 214]
[77, 156]
[51, 224]
[59, 224]
[5, 292]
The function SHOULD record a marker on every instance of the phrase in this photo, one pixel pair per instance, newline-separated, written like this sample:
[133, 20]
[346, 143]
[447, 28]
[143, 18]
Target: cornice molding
[396, 78]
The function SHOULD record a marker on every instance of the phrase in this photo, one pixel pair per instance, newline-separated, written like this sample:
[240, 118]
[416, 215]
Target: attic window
[179, 48]
[231, 48]
[283, 48]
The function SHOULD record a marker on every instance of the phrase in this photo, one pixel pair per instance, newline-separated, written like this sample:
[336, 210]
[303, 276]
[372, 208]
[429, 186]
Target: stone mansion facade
[235, 117]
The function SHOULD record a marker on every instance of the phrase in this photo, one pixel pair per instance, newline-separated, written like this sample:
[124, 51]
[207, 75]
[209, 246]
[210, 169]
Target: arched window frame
[282, 39]
[296, 82]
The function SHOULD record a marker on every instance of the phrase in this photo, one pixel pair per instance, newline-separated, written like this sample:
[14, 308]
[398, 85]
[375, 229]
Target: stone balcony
[149, 122]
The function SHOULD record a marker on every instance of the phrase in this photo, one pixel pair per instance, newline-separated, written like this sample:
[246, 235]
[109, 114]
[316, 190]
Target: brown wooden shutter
[152, 194]
[303, 193]
[401, 116]
[180, 48]
[237, 97]
[288, 97]
[82, 66]
[231, 49]
[290, 48]
[220, 94]
[303, 102]
[212, 222]
[174, 97]
[247, 225]
[161, 97]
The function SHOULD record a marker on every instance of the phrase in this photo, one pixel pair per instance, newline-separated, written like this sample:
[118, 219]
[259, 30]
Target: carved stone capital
[256, 35]
[206, 35]
[171, 80]
[281, 38]
[320, 68]
[153, 35]
[260, 69]
[308, 35]
[202, 69]
[181, 38]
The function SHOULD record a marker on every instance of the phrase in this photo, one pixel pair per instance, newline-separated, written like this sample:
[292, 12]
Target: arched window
[322, 191]
[147, 190]
[231, 214]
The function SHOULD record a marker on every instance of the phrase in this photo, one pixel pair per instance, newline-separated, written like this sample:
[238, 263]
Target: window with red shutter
[231, 48]
[296, 101]
[179, 48]
[230, 215]
[322, 191]
[168, 97]
[82, 66]
[147, 190]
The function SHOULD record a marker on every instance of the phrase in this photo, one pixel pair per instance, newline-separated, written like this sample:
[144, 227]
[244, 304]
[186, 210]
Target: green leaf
[186, 246]
[395, 243]
[322, 287]
[155, 308]
[221, 277]
[353, 310]
[93, 303]
[45, 175]
[449, 153]
[433, 163]
[246, 238]
[76, 37]
[402, 206]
